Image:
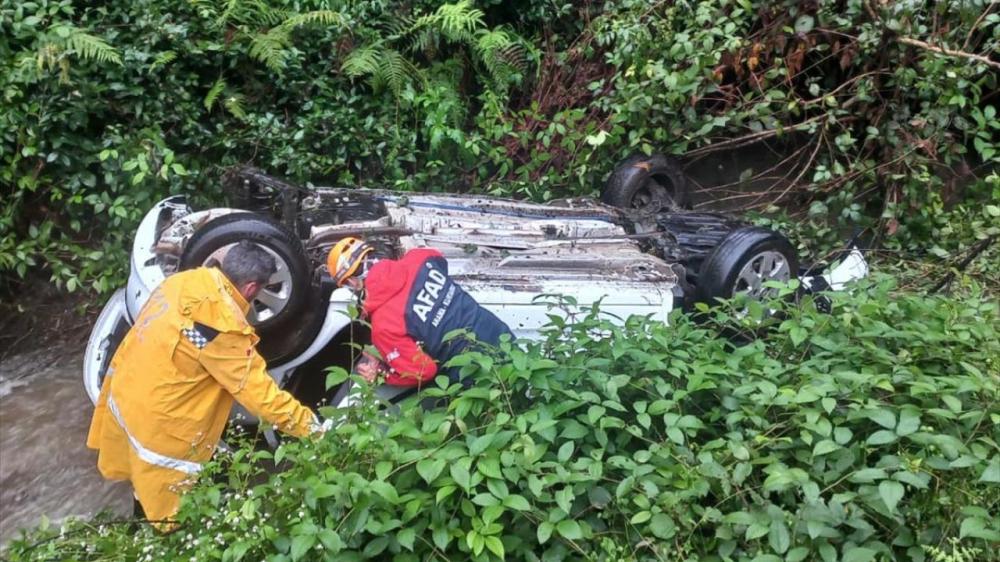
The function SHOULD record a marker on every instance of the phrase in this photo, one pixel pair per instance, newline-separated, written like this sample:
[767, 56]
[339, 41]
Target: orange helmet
[346, 257]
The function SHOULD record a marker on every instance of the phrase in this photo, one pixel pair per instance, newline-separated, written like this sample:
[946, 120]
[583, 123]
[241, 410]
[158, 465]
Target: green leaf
[868, 475]
[405, 537]
[976, 528]
[335, 376]
[569, 529]
[460, 472]
[444, 492]
[480, 444]
[490, 467]
[323, 490]
[441, 537]
[778, 537]
[757, 530]
[828, 404]
[301, 545]
[858, 554]
[475, 542]
[430, 469]
[564, 499]
[331, 540]
[386, 490]
[641, 517]
[797, 554]
[518, 502]
[565, 452]
[545, 531]
[494, 545]
[992, 471]
[823, 447]
[885, 418]
[594, 413]
[909, 422]
[236, 551]
[662, 526]
[599, 497]
[485, 500]
[842, 435]
[882, 437]
[891, 492]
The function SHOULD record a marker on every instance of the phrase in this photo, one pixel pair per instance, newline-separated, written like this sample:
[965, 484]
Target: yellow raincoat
[170, 386]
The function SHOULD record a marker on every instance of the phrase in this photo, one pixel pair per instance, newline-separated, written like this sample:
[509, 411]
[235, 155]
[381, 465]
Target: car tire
[280, 311]
[743, 261]
[653, 183]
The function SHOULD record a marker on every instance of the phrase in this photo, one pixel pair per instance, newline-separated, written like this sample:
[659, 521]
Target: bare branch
[949, 52]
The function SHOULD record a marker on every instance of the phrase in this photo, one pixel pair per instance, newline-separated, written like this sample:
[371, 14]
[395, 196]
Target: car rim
[763, 267]
[274, 297]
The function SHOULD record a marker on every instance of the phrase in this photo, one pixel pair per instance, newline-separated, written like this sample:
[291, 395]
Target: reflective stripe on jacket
[171, 384]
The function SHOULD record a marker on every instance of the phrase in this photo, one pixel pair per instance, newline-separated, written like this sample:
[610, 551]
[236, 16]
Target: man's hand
[369, 367]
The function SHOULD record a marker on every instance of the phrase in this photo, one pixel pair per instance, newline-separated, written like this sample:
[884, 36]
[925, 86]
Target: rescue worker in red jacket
[170, 386]
[412, 304]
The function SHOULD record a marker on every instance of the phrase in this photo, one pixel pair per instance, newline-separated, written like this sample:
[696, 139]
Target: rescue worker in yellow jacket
[170, 386]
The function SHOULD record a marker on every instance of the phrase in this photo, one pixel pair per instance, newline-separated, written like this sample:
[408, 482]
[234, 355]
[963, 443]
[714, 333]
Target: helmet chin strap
[366, 267]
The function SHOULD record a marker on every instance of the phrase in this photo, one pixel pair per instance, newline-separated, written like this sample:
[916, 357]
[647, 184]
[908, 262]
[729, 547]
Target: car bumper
[108, 332]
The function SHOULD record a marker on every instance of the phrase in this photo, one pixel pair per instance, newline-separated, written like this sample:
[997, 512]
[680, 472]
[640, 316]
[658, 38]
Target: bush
[867, 434]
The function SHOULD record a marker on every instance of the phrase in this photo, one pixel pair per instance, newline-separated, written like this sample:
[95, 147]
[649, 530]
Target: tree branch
[948, 52]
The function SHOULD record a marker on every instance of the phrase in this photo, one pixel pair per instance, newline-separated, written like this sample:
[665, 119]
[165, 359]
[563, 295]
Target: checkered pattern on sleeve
[195, 337]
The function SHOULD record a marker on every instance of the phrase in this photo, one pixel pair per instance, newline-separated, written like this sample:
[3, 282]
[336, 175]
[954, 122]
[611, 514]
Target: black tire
[653, 183]
[719, 276]
[281, 330]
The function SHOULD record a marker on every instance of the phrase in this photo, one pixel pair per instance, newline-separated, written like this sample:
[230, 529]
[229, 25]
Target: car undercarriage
[637, 252]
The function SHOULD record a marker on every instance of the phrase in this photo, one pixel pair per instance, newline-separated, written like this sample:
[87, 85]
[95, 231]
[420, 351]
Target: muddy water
[45, 466]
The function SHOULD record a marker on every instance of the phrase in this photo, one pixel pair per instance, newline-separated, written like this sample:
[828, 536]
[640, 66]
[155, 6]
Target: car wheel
[280, 308]
[743, 262]
[643, 182]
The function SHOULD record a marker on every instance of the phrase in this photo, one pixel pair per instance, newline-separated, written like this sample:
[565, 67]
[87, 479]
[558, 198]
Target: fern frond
[318, 17]
[234, 105]
[460, 20]
[362, 61]
[213, 93]
[503, 55]
[492, 40]
[89, 47]
[396, 71]
[163, 59]
[267, 16]
[397, 26]
[231, 12]
[516, 56]
[270, 48]
[427, 42]
[256, 13]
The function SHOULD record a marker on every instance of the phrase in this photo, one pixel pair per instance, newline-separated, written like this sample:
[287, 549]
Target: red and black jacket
[413, 304]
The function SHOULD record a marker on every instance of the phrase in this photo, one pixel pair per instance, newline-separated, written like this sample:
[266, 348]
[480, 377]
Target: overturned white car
[638, 251]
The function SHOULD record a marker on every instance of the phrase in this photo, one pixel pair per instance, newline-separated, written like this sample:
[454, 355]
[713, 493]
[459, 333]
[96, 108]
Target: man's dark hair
[247, 262]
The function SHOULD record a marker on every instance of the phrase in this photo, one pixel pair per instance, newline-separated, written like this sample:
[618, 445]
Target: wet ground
[45, 466]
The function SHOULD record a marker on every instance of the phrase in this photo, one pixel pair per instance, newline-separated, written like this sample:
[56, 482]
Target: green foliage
[883, 128]
[867, 434]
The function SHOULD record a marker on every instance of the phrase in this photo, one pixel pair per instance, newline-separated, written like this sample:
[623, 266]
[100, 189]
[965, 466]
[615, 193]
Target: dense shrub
[870, 433]
[884, 110]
